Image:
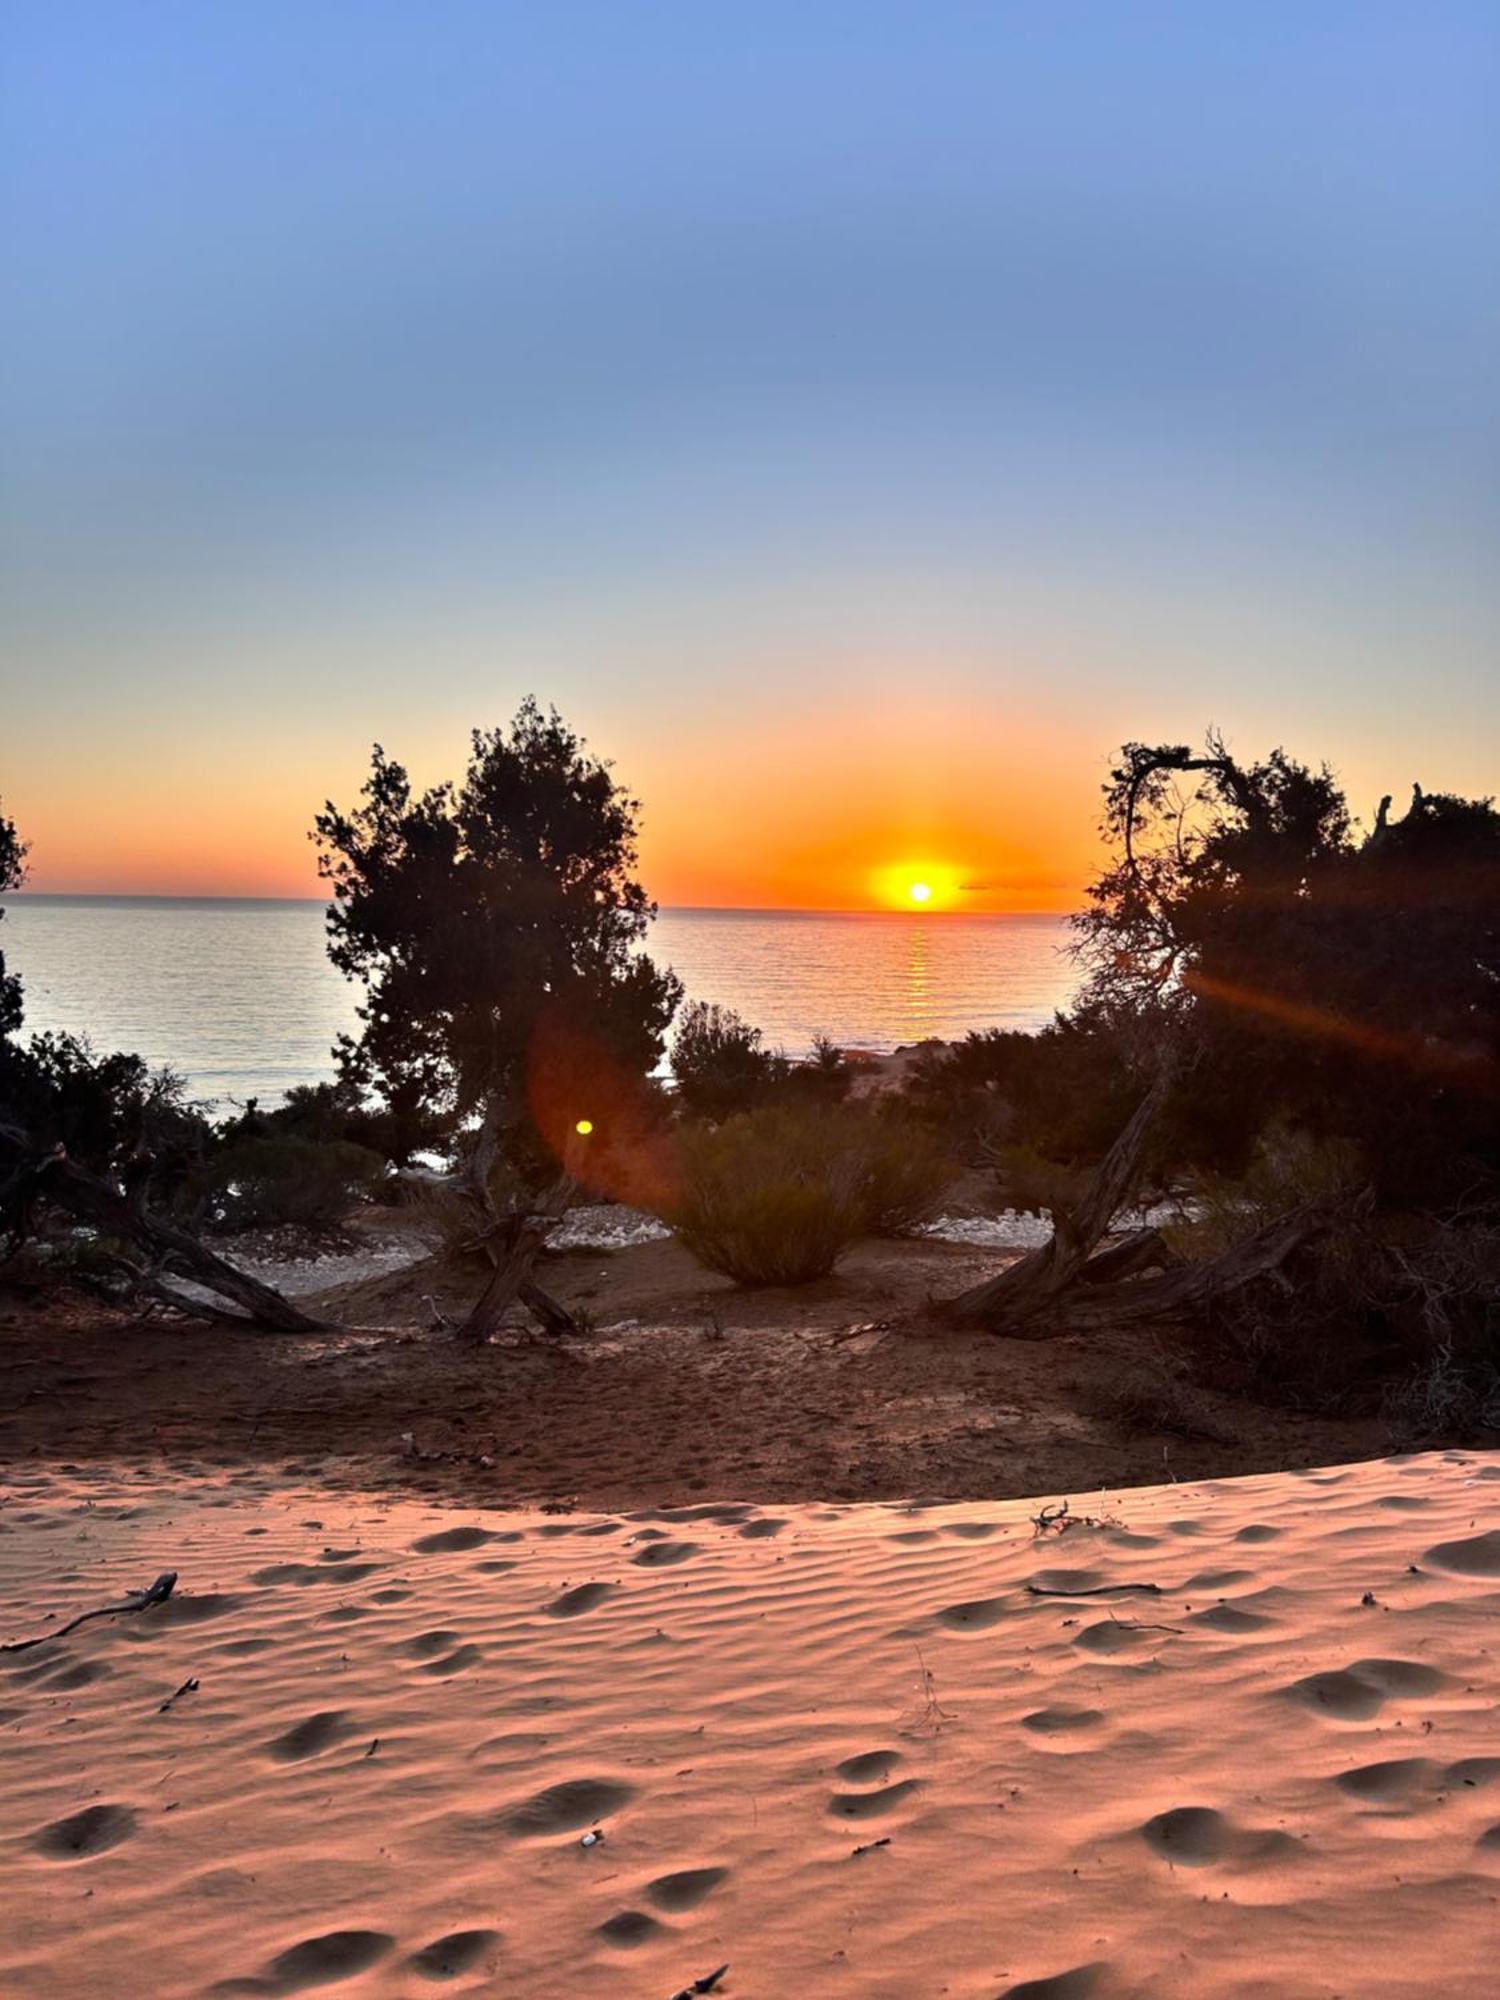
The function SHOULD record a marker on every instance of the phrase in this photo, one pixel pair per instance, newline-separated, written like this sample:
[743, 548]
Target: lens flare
[584, 1127]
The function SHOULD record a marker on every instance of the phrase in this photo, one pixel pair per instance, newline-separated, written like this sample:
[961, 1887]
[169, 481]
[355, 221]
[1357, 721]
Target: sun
[920, 892]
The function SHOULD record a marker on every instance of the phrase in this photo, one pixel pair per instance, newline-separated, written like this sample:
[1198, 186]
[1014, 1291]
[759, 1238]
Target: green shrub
[266, 1183]
[775, 1197]
[719, 1063]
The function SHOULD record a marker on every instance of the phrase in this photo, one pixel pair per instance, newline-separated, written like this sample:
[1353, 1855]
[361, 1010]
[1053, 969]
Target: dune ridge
[1234, 1738]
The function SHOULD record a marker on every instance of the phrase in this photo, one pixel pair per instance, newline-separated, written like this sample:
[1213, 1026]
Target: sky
[857, 418]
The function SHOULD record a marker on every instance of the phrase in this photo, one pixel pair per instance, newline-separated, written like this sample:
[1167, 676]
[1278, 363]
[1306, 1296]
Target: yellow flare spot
[584, 1127]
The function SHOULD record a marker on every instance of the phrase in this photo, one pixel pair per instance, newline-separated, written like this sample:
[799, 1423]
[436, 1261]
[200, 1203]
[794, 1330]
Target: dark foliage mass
[721, 1066]
[1349, 984]
[493, 924]
[12, 874]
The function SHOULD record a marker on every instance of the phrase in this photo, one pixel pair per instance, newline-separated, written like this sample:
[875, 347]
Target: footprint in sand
[1080, 1982]
[84, 1834]
[871, 1767]
[662, 1555]
[306, 1739]
[442, 1653]
[628, 1928]
[582, 1597]
[1230, 1618]
[1355, 1693]
[1061, 1720]
[577, 1802]
[1391, 1782]
[763, 1529]
[318, 1961]
[873, 1805]
[79, 1674]
[452, 1956]
[976, 1615]
[686, 1889]
[1479, 1555]
[1199, 1836]
[1117, 1635]
[453, 1538]
[303, 1574]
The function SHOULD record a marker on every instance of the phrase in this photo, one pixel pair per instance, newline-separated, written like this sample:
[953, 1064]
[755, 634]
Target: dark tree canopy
[12, 874]
[490, 922]
[1350, 983]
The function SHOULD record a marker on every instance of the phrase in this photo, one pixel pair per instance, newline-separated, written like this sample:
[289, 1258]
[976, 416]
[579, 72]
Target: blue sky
[955, 389]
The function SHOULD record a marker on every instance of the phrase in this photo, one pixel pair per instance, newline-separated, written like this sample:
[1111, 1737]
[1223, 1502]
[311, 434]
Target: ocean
[238, 996]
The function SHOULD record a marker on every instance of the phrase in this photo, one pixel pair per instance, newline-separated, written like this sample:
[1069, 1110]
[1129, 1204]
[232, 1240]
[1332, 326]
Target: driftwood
[1191, 1288]
[92, 1199]
[138, 1600]
[1070, 1285]
[1028, 1286]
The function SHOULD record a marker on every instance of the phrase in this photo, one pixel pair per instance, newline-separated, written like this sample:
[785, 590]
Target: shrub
[719, 1062]
[267, 1183]
[775, 1197]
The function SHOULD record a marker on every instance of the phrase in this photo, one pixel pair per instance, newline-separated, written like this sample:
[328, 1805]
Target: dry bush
[775, 1197]
[270, 1183]
[1288, 1169]
[1156, 1396]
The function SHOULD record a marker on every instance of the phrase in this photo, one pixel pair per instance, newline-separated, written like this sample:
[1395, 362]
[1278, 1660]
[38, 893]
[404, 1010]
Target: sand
[1240, 1741]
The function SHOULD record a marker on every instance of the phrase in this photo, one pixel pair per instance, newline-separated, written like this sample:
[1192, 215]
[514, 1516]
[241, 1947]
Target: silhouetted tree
[1351, 985]
[496, 927]
[12, 874]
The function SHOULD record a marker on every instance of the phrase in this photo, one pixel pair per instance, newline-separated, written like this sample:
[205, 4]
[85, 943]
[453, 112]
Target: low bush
[775, 1197]
[268, 1183]
[719, 1062]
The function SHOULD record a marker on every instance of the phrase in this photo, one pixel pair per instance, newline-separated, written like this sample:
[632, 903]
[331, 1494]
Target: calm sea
[239, 997]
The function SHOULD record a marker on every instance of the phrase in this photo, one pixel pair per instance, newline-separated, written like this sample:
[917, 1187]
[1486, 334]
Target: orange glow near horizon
[775, 820]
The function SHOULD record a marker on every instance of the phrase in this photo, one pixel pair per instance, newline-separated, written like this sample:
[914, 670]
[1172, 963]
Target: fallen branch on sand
[30, 1174]
[704, 1985]
[188, 1687]
[1069, 1284]
[138, 1600]
[1096, 1590]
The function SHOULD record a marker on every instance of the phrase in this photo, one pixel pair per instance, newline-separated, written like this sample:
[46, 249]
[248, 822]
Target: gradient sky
[857, 417]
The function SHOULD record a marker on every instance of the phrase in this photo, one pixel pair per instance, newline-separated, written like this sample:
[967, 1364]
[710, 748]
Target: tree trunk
[1138, 1251]
[1030, 1284]
[511, 1276]
[94, 1200]
[1190, 1288]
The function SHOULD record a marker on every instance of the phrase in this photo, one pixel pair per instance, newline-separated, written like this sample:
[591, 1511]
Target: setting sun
[920, 884]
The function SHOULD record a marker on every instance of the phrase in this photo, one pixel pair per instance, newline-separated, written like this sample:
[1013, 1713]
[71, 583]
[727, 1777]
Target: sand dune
[1242, 1740]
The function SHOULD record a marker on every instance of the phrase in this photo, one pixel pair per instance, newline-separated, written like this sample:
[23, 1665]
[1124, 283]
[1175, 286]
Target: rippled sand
[877, 1751]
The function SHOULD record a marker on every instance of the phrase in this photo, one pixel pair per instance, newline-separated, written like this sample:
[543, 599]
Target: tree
[720, 1063]
[1351, 985]
[97, 1136]
[12, 875]
[496, 927]
[1255, 962]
